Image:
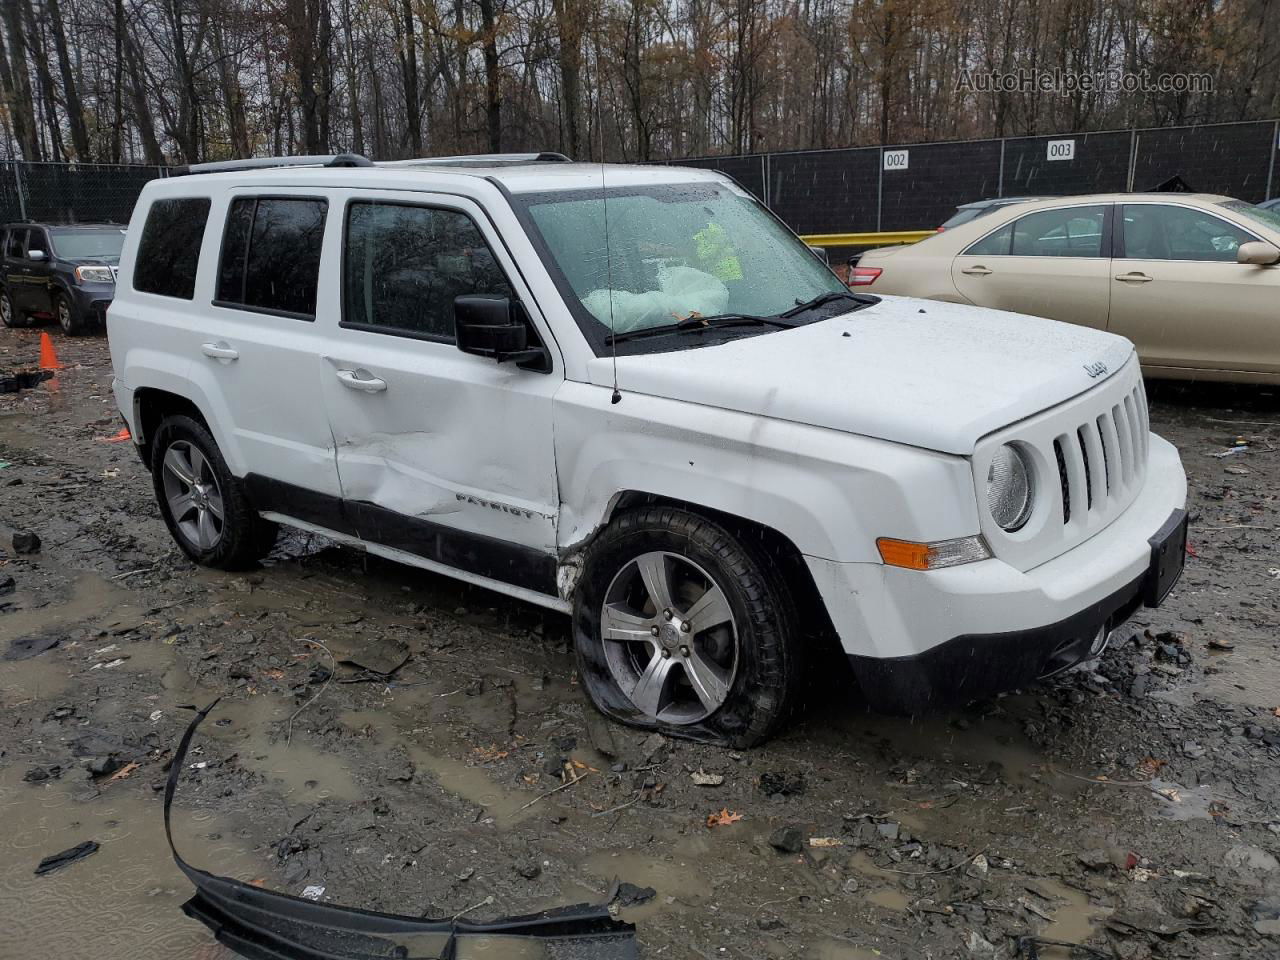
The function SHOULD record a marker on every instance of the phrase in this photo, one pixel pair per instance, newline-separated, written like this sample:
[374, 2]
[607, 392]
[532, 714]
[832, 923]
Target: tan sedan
[1193, 280]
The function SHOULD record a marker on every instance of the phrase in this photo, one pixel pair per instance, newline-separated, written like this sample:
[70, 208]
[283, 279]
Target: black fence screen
[917, 186]
[912, 186]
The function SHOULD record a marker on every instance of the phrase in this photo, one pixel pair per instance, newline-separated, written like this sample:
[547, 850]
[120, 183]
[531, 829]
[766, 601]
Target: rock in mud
[7, 586]
[41, 774]
[776, 783]
[24, 541]
[789, 839]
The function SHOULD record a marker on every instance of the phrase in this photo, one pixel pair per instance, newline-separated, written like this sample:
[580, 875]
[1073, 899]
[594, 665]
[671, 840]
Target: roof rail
[478, 159]
[263, 163]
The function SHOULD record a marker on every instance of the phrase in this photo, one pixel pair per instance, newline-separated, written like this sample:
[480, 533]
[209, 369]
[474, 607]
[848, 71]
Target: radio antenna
[608, 258]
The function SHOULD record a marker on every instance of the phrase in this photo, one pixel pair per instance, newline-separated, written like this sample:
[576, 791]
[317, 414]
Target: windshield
[73, 244]
[1267, 218]
[676, 251]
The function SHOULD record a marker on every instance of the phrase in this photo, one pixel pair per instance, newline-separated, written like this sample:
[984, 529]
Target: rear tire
[10, 315]
[202, 503]
[725, 666]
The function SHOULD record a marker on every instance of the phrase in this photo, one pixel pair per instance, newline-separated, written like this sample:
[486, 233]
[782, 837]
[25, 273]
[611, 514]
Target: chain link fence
[72, 193]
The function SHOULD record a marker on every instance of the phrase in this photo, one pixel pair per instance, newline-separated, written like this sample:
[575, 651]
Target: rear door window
[169, 249]
[16, 244]
[403, 266]
[993, 244]
[271, 255]
[1069, 232]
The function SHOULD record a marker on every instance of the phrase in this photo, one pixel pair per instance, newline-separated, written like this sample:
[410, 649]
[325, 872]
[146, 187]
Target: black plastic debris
[631, 895]
[67, 857]
[265, 925]
[22, 380]
[26, 647]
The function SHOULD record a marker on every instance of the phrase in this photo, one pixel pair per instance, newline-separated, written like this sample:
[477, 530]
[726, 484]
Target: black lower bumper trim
[265, 925]
[978, 665]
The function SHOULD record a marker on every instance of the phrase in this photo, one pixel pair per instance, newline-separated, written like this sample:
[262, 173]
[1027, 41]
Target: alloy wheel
[6, 310]
[64, 315]
[193, 495]
[670, 639]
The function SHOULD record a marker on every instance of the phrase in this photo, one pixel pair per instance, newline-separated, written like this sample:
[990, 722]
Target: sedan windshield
[673, 252]
[1267, 218]
[72, 244]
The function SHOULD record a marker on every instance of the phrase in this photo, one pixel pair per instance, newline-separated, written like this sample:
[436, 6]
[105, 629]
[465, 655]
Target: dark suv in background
[64, 272]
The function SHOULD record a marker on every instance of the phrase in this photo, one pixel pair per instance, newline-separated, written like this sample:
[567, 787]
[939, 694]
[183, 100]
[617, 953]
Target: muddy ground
[1132, 807]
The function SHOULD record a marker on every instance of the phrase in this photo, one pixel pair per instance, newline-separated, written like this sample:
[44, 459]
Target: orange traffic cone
[48, 356]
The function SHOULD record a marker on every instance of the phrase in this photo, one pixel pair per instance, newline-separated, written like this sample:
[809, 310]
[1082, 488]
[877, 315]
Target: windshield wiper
[829, 297]
[696, 323]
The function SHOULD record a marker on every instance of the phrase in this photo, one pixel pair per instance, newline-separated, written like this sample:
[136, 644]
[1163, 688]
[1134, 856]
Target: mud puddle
[120, 903]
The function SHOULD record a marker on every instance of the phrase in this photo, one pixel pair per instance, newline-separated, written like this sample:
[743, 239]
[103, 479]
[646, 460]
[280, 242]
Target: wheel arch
[151, 405]
[771, 543]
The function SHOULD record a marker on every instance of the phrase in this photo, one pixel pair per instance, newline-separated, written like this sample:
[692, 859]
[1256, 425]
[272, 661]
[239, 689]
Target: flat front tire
[203, 504]
[684, 627]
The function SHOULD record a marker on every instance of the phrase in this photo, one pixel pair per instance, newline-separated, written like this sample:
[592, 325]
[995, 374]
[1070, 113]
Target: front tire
[71, 324]
[683, 627]
[203, 504]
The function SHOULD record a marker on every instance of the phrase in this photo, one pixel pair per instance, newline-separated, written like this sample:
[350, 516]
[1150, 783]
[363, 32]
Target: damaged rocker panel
[265, 925]
[472, 553]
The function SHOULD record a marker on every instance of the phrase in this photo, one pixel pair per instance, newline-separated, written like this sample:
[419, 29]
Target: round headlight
[1009, 488]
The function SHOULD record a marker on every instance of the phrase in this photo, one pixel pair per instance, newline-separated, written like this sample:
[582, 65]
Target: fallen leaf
[274, 674]
[1151, 766]
[123, 772]
[723, 818]
[701, 778]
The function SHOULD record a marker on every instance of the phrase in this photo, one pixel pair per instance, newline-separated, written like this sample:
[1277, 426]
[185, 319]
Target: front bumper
[90, 301]
[946, 636]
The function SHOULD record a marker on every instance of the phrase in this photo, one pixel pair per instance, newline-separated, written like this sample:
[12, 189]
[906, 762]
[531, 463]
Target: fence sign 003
[1060, 150]
[896, 159]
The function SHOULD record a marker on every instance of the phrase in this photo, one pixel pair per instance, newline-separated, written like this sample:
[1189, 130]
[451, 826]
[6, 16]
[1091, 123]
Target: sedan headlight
[1009, 488]
[93, 275]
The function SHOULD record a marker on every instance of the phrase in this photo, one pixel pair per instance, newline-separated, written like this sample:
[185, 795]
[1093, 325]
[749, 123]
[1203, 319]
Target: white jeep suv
[632, 395]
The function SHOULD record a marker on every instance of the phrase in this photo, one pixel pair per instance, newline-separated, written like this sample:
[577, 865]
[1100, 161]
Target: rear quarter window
[169, 249]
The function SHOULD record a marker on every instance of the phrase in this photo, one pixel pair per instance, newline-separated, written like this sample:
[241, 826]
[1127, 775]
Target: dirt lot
[1132, 806]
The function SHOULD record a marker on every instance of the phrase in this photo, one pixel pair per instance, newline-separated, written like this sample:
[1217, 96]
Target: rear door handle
[976, 271]
[361, 380]
[219, 351]
[1133, 277]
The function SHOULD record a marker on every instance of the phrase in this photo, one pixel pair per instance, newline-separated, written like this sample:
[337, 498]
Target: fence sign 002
[1061, 150]
[896, 159]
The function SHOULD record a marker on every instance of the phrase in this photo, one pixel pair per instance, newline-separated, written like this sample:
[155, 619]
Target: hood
[921, 372]
[94, 261]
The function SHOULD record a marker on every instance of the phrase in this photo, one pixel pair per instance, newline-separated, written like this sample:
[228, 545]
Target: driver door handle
[1133, 277]
[978, 271]
[367, 383]
[219, 351]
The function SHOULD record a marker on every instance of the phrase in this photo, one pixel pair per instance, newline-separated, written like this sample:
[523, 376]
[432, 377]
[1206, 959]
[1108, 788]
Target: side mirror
[493, 327]
[820, 253]
[1257, 252]
[35, 255]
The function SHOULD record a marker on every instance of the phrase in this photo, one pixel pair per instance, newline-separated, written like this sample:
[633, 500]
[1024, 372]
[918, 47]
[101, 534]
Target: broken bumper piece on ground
[264, 925]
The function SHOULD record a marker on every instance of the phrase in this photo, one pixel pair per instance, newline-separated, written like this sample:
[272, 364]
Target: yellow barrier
[866, 239]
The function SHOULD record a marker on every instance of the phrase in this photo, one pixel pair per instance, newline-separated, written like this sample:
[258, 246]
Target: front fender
[830, 493]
